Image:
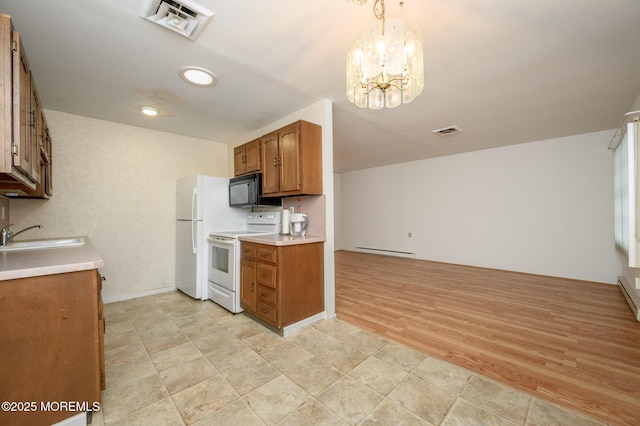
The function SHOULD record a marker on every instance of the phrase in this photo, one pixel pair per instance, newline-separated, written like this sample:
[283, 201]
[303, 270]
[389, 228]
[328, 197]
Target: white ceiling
[505, 71]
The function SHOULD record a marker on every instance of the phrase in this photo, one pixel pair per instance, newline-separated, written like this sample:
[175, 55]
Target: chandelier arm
[373, 85]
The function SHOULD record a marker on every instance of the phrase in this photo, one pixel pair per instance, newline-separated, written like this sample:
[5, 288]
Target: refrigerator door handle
[194, 200]
[194, 227]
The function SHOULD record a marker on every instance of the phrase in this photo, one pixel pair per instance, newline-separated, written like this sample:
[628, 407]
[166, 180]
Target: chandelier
[384, 62]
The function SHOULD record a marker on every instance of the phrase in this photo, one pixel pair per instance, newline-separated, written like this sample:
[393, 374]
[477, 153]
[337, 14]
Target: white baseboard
[129, 296]
[632, 297]
[386, 252]
[303, 324]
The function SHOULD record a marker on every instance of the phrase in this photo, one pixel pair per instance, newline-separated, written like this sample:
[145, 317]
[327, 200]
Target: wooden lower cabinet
[282, 285]
[51, 347]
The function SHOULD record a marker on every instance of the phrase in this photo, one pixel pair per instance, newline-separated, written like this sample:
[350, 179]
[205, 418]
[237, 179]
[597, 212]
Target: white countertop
[281, 240]
[48, 261]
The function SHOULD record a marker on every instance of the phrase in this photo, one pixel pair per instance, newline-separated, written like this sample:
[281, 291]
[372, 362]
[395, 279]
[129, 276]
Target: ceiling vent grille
[447, 131]
[185, 17]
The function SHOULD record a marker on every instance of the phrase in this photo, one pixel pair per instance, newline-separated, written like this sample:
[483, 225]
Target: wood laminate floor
[571, 342]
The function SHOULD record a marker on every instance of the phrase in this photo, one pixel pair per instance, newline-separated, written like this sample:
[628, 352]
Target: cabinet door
[50, 344]
[289, 142]
[24, 115]
[270, 161]
[46, 157]
[252, 156]
[101, 329]
[238, 160]
[248, 286]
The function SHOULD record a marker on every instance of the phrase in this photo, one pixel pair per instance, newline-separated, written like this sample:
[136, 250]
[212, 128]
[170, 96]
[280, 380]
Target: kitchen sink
[43, 244]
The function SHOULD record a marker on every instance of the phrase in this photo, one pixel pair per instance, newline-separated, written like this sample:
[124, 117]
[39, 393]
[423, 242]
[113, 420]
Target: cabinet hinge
[14, 46]
[14, 149]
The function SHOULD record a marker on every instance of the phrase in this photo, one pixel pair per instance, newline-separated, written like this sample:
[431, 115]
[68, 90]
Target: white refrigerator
[202, 206]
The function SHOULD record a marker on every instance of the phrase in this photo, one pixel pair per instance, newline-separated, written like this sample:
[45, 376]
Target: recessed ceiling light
[198, 76]
[149, 110]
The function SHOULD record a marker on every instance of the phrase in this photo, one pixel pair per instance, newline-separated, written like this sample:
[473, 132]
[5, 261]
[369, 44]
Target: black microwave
[246, 191]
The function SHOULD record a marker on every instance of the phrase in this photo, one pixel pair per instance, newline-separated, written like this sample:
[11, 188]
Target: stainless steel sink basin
[43, 244]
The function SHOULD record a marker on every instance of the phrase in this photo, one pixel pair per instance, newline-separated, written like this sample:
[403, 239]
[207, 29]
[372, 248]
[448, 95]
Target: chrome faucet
[7, 236]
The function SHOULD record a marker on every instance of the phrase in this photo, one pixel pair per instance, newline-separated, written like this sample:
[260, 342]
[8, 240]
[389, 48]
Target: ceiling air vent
[185, 17]
[446, 131]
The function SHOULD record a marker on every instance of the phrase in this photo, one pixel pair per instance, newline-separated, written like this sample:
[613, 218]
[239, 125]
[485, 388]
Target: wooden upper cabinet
[24, 116]
[289, 160]
[21, 120]
[246, 158]
[270, 170]
[292, 161]
[44, 186]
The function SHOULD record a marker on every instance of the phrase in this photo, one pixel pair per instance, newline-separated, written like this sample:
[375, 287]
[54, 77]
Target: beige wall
[116, 184]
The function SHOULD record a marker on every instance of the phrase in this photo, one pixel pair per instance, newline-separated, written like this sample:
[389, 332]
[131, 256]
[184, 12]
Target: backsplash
[314, 206]
[5, 217]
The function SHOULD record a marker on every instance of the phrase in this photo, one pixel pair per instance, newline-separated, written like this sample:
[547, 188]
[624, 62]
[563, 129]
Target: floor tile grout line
[218, 371]
[149, 359]
[174, 318]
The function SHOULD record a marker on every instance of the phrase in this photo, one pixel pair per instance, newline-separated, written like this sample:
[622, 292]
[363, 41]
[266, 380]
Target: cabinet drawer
[266, 294]
[247, 250]
[266, 275]
[268, 313]
[267, 254]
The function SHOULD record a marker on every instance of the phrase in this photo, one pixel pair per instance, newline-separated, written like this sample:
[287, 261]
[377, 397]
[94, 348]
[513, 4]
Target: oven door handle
[221, 242]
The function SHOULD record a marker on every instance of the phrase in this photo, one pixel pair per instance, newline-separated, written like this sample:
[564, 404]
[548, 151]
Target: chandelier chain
[378, 9]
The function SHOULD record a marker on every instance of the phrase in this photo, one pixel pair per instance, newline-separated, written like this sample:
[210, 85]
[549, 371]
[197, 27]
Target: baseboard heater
[632, 297]
[386, 252]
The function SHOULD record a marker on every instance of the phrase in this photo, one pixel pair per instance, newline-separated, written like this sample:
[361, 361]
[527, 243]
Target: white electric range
[224, 258]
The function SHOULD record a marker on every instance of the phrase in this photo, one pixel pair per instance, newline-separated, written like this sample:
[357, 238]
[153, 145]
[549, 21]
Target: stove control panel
[263, 218]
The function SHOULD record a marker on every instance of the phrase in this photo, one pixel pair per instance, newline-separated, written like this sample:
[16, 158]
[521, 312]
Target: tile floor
[172, 360]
